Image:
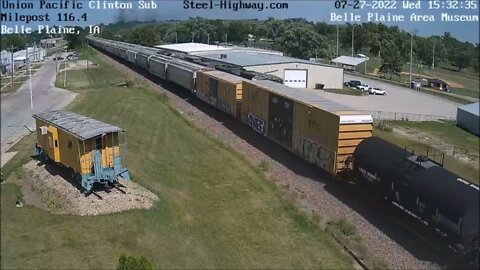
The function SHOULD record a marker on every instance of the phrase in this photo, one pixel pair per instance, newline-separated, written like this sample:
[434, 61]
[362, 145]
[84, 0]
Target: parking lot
[398, 99]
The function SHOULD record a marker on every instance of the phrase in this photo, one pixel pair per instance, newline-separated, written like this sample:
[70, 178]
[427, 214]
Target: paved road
[398, 99]
[15, 108]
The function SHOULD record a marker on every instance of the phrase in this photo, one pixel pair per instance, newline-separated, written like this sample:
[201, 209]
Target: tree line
[294, 37]
[305, 39]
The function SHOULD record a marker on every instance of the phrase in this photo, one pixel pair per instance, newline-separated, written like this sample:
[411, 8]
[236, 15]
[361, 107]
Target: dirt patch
[80, 64]
[52, 192]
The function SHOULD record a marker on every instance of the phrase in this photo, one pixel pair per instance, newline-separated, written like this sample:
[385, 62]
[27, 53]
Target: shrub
[126, 262]
[342, 226]
[383, 126]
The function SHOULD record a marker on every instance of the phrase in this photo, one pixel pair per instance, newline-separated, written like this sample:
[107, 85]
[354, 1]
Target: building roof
[309, 97]
[50, 40]
[77, 125]
[247, 58]
[473, 108]
[348, 60]
[191, 47]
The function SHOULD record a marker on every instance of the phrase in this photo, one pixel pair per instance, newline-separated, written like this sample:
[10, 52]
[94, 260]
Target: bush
[383, 126]
[126, 262]
[343, 226]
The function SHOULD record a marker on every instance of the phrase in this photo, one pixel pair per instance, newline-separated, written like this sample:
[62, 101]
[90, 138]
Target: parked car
[376, 91]
[415, 85]
[363, 87]
[352, 83]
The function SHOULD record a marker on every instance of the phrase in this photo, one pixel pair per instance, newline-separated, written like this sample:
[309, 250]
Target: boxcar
[87, 146]
[220, 89]
[319, 130]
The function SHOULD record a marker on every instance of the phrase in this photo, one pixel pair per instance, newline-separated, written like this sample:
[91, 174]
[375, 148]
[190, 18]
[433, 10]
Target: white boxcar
[131, 56]
[183, 73]
[158, 66]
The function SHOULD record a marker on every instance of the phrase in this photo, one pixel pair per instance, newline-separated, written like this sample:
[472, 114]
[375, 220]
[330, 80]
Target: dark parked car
[353, 83]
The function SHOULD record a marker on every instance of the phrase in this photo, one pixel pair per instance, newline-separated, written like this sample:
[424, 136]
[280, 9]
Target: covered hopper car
[88, 147]
[423, 187]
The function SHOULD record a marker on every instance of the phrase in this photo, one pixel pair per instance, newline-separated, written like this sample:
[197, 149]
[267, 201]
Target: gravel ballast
[307, 182]
[59, 196]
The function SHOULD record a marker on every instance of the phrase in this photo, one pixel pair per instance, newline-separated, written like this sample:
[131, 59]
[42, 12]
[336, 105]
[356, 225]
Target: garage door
[296, 78]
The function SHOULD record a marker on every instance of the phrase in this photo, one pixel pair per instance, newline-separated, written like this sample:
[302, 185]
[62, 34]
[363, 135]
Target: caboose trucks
[88, 147]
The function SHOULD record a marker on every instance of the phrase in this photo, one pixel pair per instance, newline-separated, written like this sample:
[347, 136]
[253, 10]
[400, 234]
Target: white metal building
[349, 62]
[297, 73]
[468, 117]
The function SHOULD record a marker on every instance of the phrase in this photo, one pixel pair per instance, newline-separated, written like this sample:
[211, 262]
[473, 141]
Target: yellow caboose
[87, 146]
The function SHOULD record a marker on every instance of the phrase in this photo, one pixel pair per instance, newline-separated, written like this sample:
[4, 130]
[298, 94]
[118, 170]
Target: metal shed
[468, 118]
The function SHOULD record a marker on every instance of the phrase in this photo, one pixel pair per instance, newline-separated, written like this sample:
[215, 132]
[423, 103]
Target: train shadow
[419, 240]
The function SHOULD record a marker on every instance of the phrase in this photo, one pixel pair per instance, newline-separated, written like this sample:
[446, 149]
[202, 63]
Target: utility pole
[65, 71]
[337, 39]
[176, 36]
[30, 80]
[353, 36]
[411, 58]
[433, 57]
[12, 69]
[226, 40]
[208, 38]
[192, 37]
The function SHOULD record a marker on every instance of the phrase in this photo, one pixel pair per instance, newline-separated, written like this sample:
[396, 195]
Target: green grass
[443, 131]
[216, 210]
[345, 91]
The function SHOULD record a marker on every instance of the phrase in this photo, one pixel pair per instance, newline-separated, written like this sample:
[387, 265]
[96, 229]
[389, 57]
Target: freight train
[324, 133]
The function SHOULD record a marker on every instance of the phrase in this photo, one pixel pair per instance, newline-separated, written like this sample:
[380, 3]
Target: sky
[312, 10]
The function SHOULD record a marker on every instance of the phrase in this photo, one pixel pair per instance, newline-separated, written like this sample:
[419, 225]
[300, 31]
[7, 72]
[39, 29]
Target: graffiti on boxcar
[313, 152]
[257, 124]
[223, 106]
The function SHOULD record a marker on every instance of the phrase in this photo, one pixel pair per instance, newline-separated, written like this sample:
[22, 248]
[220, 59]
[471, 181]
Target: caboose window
[56, 143]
